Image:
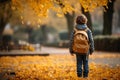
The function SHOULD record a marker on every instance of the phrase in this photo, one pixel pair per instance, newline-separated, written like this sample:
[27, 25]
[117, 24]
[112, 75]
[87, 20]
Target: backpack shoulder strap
[86, 30]
[75, 30]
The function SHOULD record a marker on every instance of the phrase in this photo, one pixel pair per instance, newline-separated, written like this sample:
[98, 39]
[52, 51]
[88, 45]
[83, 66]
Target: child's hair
[82, 19]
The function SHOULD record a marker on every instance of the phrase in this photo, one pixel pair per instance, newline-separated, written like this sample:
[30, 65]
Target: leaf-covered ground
[55, 67]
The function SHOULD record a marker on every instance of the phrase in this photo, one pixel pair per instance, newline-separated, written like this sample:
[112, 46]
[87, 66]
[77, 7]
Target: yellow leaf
[59, 15]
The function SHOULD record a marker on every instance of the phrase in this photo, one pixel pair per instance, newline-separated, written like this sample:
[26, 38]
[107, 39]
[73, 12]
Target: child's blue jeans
[82, 60]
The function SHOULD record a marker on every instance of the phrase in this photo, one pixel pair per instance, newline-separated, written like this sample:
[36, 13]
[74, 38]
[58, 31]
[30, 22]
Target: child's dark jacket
[91, 41]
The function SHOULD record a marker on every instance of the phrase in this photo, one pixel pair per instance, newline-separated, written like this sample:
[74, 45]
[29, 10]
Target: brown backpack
[80, 42]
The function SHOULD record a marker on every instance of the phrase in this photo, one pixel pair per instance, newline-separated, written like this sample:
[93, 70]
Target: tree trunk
[29, 31]
[70, 22]
[5, 13]
[2, 26]
[44, 32]
[89, 23]
[108, 16]
[118, 18]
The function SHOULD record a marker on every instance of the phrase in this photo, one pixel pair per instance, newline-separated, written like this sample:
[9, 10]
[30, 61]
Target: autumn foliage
[41, 7]
[54, 67]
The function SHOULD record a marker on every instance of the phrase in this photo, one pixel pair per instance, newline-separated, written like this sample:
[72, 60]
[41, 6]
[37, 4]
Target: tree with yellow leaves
[65, 8]
[41, 7]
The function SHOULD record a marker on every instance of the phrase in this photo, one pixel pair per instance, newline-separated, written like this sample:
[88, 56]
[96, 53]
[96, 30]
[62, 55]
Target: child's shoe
[79, 75]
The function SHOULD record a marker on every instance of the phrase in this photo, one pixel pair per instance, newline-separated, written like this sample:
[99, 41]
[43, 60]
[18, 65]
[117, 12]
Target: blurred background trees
[51, 21]
[41, 8]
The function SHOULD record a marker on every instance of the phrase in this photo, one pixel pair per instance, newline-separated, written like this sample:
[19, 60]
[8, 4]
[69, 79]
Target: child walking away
[81, 44]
